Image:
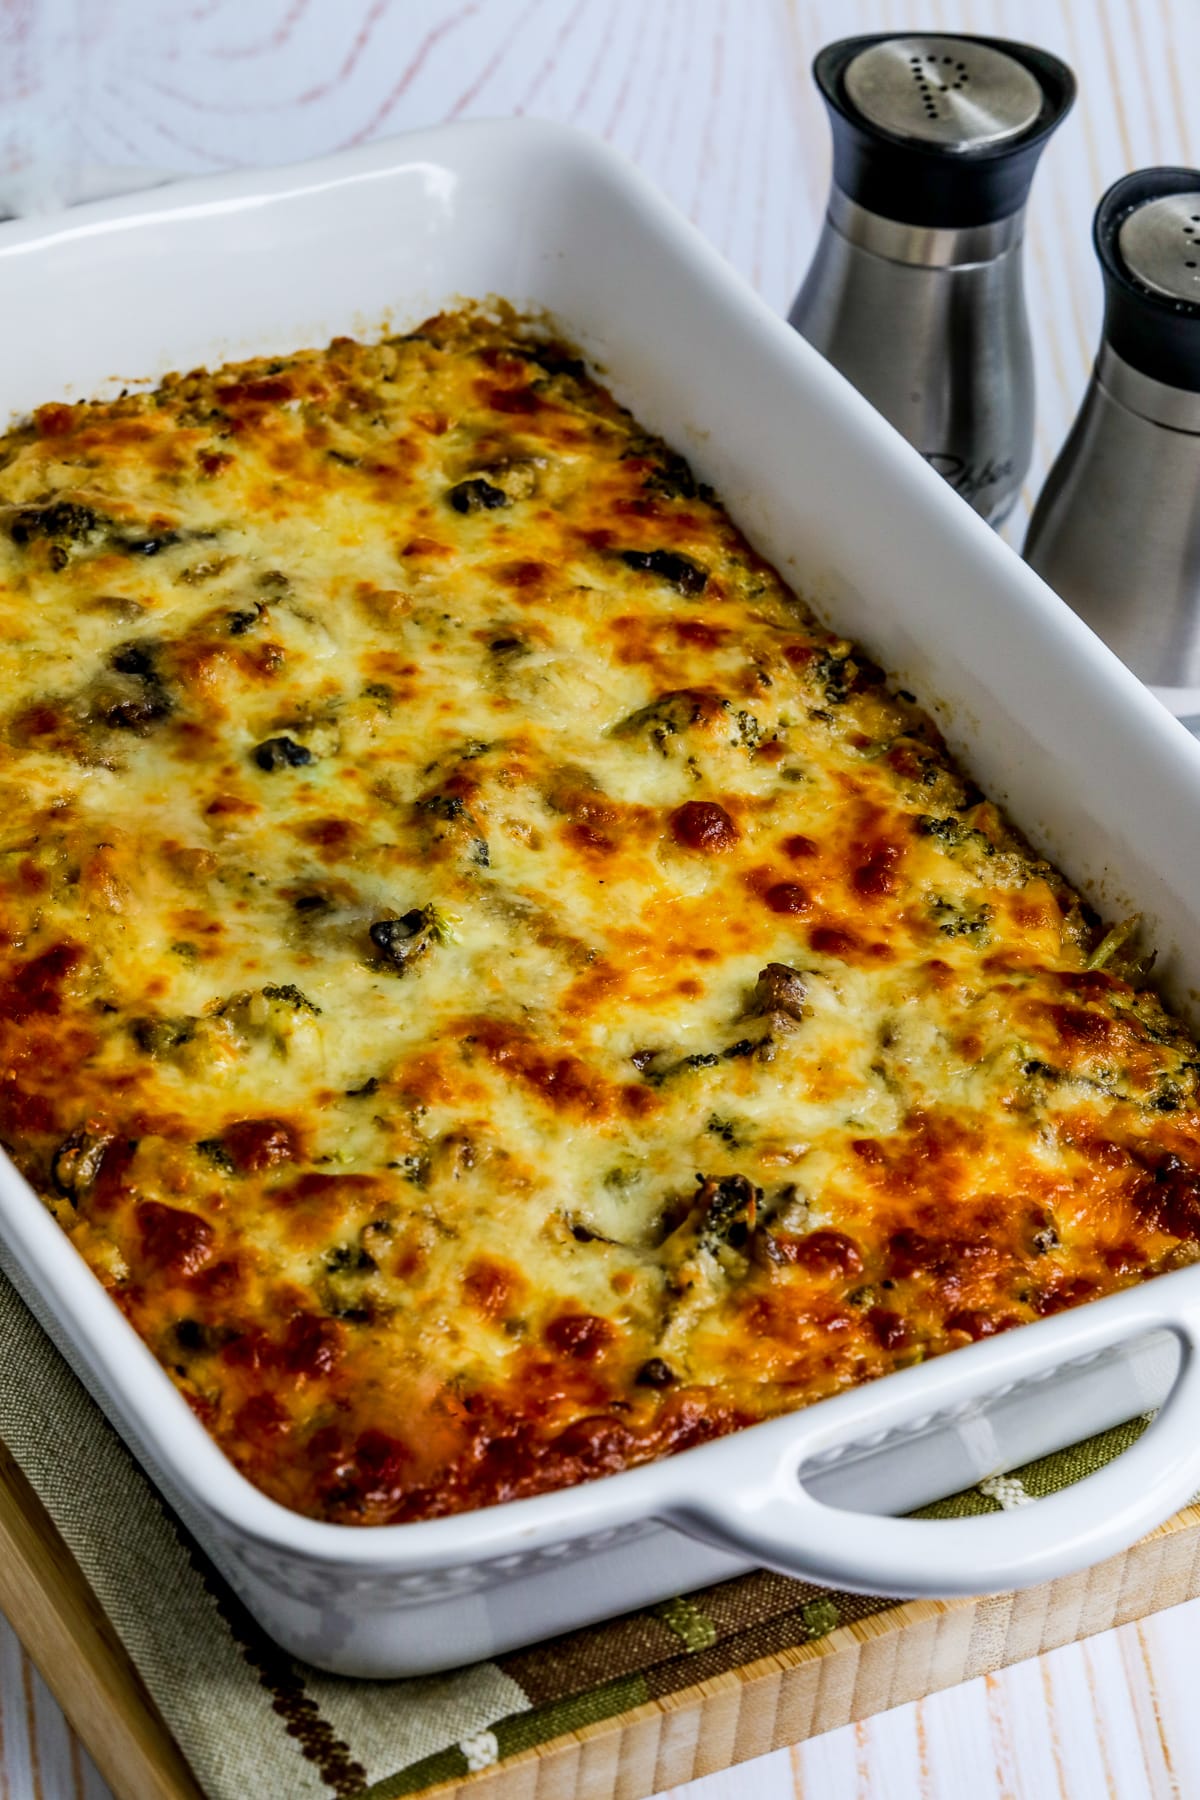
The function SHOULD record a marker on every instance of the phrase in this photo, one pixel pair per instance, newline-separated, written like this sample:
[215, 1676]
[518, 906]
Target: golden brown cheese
[494, 991]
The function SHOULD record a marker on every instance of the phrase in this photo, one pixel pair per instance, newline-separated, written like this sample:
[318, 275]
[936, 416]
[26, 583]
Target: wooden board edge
[45, 1597]
[855, 1671]
[914, 1648]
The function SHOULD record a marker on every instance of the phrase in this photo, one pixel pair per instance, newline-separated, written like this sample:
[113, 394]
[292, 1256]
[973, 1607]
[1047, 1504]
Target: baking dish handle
[758, 1506]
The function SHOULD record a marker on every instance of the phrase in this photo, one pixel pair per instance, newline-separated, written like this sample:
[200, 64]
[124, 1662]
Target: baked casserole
[495, 991]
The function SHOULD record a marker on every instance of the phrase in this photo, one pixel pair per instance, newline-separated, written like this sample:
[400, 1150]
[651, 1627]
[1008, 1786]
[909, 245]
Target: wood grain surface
[888, 1660]
[884, 1661]
[66, 1634]
[713, 99]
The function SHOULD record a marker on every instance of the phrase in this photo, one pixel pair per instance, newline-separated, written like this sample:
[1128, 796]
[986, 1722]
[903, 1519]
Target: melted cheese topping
[491, 988]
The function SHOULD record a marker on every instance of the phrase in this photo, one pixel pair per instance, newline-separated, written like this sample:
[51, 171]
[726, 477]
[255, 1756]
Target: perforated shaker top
[950, 93]
[1147, 236]
[937, 130]
[1160, 245]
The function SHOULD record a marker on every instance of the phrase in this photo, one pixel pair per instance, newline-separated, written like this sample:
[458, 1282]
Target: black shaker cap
[974, 177]
[1147, 236]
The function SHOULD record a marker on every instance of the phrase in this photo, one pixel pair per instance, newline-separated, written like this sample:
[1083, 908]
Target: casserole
[496, 993]
[797, 459]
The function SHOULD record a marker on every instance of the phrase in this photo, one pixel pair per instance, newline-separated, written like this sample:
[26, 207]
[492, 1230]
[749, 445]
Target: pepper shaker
[1116, 530]
[915, 291]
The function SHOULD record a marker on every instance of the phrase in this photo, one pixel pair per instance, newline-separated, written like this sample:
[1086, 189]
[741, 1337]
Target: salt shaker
[915, 291]
[1116, 529]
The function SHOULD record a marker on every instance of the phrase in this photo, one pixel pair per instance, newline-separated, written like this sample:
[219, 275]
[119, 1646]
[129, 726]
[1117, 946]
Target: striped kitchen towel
[251, 1720]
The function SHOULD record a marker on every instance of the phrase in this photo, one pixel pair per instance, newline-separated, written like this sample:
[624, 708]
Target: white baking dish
[1097, 774]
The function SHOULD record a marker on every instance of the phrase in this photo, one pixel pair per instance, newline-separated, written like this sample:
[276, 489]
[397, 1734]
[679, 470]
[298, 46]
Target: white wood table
[714, 100]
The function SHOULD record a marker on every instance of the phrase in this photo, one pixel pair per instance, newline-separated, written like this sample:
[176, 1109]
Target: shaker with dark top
[915, 291]
[1116, 530]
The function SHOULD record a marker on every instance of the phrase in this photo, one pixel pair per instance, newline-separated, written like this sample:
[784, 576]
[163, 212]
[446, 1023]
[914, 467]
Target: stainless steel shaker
[915, 291]
[1116, 529]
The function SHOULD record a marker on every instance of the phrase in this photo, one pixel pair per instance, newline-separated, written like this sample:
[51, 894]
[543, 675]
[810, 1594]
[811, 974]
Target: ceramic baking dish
[1100, 778]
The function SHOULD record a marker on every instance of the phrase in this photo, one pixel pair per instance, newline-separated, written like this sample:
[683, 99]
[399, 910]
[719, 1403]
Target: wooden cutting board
[911, 1650]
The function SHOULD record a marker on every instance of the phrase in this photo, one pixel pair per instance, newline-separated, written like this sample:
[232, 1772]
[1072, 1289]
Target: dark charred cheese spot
[948, 1260]
[527, 576]
[36, 986]
[832, 940]
[635, 1102]
[975, 1324]
[264, 391]
[378, 1469]
[333, 835]
[700, 634]
[248, 1349]
[32, 879]
[54, 420]
[261, 1419]
[423, 546]
[1071, 1291]
[489, 1286]
[788, 897]
[1122, 1259]
[595, 819]
[219, 1281]
[1169, 1198]
[110, 1184]
[703, 826]
[1080, 1029]
[313, 1186]
[312, 1347]
[888, 1328]
[41, 720]
[561, 1080]
[581, 1337]
[877, 878]
[598, 1444]
[257, 1144]
[173, 1239]
[822, 1252]
[231, 806]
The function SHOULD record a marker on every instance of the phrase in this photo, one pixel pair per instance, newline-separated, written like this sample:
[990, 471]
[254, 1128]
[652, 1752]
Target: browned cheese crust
[493, 990]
